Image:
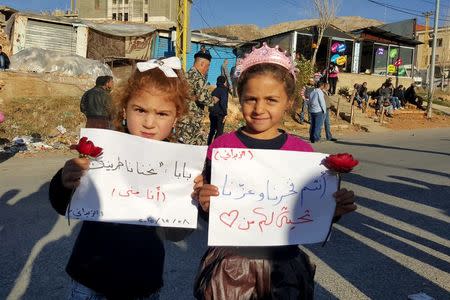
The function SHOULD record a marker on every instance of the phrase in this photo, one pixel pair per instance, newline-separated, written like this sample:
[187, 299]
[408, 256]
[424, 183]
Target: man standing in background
[317, 109]
[218, 112]
[96, 103]
[4, 60]
[326, 122]
[224, 72]
[190, 127]
[305, 94]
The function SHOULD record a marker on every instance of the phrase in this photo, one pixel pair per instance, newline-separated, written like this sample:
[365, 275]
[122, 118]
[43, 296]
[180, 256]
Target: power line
[403, 10]
[201, 16]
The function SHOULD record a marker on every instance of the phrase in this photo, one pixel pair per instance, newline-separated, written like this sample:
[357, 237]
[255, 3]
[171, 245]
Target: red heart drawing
[229, 218]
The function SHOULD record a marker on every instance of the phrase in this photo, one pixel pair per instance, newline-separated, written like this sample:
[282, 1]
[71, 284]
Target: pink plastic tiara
[265, 54]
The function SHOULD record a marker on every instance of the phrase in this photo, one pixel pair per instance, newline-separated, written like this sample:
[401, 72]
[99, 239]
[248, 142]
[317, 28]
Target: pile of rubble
[35, 143]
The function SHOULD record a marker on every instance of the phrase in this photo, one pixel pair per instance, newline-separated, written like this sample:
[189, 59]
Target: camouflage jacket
[190, 127]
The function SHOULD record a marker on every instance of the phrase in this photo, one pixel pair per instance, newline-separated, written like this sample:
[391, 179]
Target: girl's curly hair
[151, 81]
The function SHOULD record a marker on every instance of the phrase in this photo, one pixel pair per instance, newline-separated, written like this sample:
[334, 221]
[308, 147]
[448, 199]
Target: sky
[211, 13]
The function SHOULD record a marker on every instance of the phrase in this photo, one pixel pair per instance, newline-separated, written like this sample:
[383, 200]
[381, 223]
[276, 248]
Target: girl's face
[150, 115]
[264, 102]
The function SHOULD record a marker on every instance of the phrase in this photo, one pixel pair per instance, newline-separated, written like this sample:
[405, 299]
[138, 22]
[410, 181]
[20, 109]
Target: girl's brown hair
[276, 71]
[175, 89]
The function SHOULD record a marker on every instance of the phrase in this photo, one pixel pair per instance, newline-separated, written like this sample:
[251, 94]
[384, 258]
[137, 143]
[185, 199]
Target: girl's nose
[259, 107]
[149, 121]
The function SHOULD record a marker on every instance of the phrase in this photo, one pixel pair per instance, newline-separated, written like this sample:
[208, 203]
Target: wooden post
[352, 113]
[337, 107]
[382, 115]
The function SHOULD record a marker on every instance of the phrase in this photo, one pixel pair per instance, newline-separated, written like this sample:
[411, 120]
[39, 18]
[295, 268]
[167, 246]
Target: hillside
[251, 31]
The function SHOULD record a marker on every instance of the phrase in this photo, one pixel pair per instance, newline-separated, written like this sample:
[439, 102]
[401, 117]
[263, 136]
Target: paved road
[396, 244]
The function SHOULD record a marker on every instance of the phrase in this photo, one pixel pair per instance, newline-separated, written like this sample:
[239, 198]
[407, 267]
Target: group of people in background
[386, 96]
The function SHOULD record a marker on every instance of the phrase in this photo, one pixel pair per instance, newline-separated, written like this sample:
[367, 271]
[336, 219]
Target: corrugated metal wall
[218, 53]
[51, 36]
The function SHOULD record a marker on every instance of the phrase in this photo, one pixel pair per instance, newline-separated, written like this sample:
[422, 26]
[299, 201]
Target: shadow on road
[391, 147]
[34, 264]
[364, 246]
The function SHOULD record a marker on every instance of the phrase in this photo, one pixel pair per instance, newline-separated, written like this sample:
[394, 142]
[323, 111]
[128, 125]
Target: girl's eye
[139, 110]
[249, 100]
[272, 101]
[163, 114]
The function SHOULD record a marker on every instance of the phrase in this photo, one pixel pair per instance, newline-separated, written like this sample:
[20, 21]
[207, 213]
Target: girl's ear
[290, 103]
[124, 113]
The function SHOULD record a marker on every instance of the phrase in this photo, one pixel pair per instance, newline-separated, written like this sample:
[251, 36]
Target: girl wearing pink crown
[266, 87]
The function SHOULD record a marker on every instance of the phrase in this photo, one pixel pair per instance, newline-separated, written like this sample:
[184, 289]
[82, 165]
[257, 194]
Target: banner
[270, 197]
[138, 181]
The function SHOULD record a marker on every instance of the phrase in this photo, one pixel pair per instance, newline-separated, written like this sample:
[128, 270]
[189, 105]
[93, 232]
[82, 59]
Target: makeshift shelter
[112, 41]
[100, 41]
[219, 47]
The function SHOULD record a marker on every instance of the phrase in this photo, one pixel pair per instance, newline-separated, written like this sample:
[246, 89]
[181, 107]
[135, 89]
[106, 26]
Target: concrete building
[141, 11]
[442, 49]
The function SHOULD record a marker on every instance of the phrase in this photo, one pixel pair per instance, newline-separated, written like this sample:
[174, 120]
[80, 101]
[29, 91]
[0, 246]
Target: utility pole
[433, 61]
[182, 31]
[426, 42]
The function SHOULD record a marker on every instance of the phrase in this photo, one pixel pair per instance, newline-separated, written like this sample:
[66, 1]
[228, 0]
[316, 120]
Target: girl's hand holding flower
[342, 163]
[345, 202]
[75, 168]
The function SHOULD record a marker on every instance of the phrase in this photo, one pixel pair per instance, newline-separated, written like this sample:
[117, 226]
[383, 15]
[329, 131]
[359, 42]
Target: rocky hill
[251, 31]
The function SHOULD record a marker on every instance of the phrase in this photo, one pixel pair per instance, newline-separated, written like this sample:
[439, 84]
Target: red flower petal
[87, 148]
[96, 151]
[341, 163]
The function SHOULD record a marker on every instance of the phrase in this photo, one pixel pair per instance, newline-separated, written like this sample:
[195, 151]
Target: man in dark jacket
[4, 60]
[96, 102]
[218, 112]
[411, 96]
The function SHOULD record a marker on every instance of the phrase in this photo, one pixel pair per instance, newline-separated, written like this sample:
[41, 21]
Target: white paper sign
[270, 197]
[138, 181]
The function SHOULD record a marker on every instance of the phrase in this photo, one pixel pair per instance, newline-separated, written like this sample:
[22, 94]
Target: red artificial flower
[87, 148]
[340, 163]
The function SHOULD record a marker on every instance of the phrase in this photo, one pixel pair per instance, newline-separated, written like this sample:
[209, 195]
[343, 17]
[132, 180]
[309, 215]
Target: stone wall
[29, 85]
[373, 81]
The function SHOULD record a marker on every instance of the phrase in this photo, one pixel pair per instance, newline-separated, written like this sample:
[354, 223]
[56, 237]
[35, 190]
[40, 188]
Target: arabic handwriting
[319, 184]
[233, 154]
[85, 213]
[264, 218]
[181, 169]
[148, 193]
[273, 191]
[183, 173]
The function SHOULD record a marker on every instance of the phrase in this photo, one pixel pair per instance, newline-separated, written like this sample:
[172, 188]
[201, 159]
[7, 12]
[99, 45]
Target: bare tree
[326, 12]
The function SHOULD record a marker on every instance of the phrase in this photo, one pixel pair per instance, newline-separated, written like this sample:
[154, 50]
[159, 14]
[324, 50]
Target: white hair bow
[166, 65]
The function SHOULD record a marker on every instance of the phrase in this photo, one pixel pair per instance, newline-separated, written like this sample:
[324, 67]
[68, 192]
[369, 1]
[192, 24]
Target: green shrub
[344, 91]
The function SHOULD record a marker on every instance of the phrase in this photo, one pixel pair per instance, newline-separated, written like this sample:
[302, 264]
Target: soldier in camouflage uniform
[190, 128]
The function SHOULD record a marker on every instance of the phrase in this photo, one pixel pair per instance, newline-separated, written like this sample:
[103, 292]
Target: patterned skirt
[223, 275]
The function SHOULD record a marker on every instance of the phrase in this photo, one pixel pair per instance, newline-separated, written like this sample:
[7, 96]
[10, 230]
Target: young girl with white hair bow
[122, 261]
